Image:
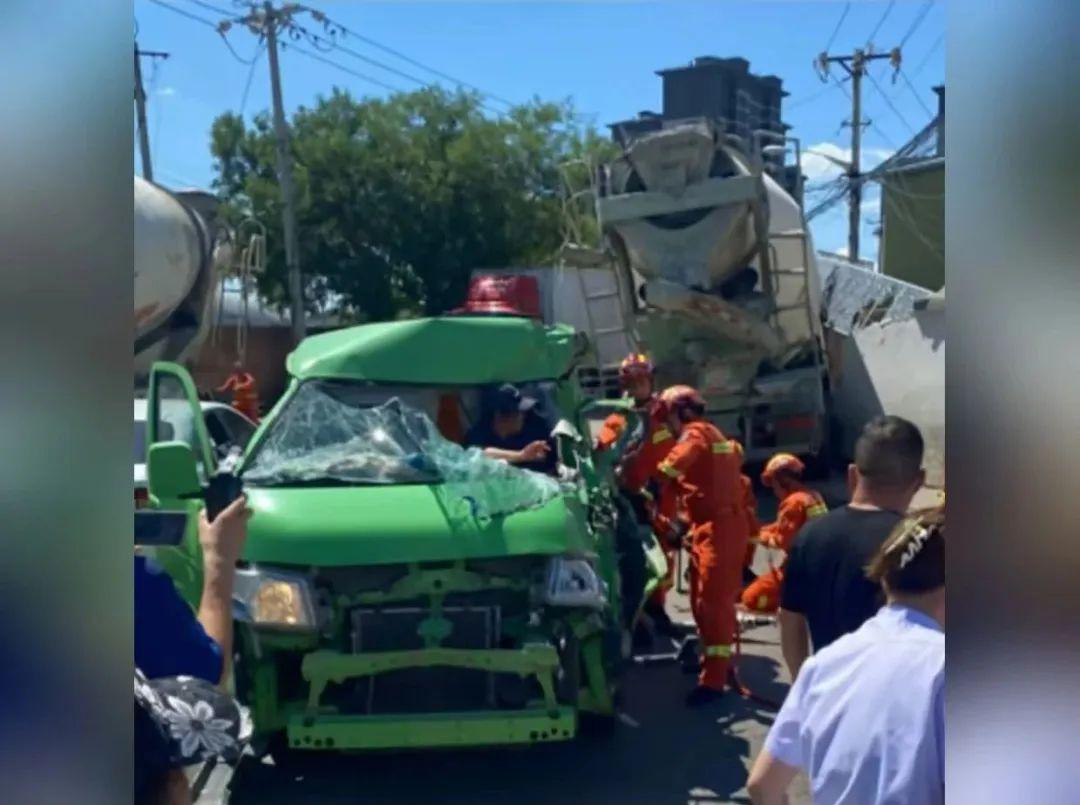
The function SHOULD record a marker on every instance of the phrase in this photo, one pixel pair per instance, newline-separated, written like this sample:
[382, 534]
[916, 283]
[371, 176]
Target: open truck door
[179, 462]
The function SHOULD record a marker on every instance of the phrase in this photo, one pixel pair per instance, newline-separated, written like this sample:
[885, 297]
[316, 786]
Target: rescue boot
[701, 696]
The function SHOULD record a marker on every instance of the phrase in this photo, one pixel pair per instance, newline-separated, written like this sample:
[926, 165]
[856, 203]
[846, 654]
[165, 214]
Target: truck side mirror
[171, 472]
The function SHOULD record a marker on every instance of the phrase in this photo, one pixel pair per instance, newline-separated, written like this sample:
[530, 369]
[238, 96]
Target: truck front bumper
[316, 728]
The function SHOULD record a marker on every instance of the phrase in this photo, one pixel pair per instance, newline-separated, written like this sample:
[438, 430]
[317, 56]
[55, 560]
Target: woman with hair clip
[865, 719]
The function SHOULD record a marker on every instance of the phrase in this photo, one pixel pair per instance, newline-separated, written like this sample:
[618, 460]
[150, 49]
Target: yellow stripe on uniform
[722, 447]
[817, 510]
[670, 471]
[661, 435]
[722, 650]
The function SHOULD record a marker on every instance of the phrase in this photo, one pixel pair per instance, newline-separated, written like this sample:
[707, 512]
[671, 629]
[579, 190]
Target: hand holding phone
[223, 537]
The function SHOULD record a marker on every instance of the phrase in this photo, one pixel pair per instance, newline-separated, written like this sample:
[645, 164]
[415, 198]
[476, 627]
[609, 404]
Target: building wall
[913, 227]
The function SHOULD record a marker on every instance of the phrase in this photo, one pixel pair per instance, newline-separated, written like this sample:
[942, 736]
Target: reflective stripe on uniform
[721, 650]
[662, 434]
[670, 471]
[722, 447]
[817, 510]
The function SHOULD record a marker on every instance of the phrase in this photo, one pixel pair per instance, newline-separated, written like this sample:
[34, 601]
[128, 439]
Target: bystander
[825, 592]
[865, 719]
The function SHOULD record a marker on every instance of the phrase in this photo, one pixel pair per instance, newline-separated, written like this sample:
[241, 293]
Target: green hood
[375, 525]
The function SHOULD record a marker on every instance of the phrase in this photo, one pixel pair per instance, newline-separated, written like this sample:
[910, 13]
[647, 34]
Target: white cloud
[165, 92]
[817, 167]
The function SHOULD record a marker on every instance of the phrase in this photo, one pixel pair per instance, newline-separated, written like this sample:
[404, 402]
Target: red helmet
[635, 365]
[782, 462]
[675, 397]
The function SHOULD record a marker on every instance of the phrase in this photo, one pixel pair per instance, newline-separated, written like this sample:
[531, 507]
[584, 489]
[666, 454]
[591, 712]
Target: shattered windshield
[332, 434]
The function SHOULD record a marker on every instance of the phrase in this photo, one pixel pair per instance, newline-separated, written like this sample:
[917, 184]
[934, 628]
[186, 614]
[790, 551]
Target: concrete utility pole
[855, 65]
[140, 109]
[266, 23]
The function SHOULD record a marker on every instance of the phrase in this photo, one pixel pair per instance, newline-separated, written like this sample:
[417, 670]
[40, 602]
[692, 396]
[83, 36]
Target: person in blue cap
[513, 431]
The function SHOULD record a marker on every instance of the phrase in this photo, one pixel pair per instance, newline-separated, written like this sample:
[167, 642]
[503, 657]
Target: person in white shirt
[865, 718]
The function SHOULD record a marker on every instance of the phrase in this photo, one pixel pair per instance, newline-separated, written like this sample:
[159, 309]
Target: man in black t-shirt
[514, 432]
[826, 593]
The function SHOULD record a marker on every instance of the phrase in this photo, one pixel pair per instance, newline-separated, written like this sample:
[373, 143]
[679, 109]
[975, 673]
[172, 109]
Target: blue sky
[601, 54]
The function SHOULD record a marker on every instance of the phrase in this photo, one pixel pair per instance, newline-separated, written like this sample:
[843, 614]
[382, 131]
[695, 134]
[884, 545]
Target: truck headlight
[273, 598]
[573, 583]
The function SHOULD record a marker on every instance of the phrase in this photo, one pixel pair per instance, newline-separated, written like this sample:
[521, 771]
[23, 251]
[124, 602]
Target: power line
[296, 49]
[926, 59]
[187, 14]
[320, 17]
[885, 16]
[915, 92]
[212, 7]
[251, 73]
[918, 21]
[839, 22]
[316, 39]
[889, 102]
[209, 23]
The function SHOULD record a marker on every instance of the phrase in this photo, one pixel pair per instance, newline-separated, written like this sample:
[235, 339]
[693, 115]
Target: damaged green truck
[398, 590]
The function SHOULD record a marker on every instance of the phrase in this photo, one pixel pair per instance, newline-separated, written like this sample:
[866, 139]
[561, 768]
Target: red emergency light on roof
[502, 295]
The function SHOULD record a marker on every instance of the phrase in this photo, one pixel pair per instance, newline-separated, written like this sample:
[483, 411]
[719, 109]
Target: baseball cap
[508, 399]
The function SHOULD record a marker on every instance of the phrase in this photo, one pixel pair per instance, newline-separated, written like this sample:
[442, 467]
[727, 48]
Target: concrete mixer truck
[708, 265]
[179, 254]
[723, 281]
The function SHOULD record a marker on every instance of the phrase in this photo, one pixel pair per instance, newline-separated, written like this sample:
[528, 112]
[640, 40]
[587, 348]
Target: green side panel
[913, 226]
[336, 526]
[451, 350]
[435, 730]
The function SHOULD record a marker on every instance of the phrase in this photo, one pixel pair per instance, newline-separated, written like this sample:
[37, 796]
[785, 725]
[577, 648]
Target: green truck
[399, 590]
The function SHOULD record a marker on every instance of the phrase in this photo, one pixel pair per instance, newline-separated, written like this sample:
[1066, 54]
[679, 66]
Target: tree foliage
[400, 199]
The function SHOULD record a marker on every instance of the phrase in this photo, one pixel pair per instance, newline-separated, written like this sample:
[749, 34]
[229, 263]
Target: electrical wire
[885, 16]
[836, 30]
[915, 92]
[251, 73]
[212, 7]
[926, 59]
[889, 102]
[319, 16]
[204, 21]
[918, 21]
[343, 68]
[317, 40]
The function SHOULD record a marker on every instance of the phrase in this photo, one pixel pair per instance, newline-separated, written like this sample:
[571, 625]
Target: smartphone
[222, 490]
[160, 528]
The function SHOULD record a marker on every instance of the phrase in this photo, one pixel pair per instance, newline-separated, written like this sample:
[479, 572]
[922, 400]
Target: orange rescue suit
[637, 468]
[763, 595]
[245, 397]
[703, 472]
[750, 507]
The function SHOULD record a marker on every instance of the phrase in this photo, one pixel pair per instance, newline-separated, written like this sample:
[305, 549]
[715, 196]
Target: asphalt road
[660, 752]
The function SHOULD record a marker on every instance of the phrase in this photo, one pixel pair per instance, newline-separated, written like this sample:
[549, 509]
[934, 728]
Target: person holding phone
[170, 639]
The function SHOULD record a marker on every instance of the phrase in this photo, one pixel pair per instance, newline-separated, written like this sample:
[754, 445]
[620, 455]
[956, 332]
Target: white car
[227, 427]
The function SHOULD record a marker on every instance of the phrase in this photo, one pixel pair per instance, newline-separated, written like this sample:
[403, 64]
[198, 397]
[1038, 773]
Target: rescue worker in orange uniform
[798, 503]
[636, 374]
[702, 472]
[245, 396]
[749, 503]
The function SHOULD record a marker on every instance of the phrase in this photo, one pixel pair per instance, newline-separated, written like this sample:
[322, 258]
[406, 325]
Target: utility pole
[140, 109]
[855, 65]
[266, 24]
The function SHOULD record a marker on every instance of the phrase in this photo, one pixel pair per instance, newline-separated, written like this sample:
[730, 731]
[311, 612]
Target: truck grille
[418, 690]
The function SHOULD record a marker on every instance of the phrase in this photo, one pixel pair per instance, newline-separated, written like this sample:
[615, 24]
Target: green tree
[400, 199]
